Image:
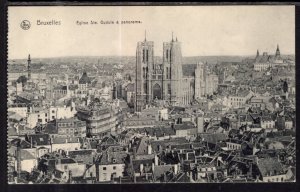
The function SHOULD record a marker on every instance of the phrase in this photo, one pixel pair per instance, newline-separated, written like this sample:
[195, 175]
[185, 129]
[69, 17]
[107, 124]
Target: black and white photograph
[151, 94]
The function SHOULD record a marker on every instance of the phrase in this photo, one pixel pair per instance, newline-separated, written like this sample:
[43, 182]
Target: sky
[203, 30]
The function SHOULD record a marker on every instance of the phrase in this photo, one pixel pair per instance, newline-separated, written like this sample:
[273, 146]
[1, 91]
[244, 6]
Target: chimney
[155, 160]
[149, 149]
[153, 167]
[191, 177]
[141, 168]
[186, 156]
[175, 169]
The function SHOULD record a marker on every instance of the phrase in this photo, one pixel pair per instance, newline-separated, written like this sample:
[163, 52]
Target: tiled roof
[50, 128]
[67, 161]
[270, 166]
[113, 158]
[214, 137]
[184, 125]
[39, 139]
[61, 140]
[160, 170]
[25, 155]
[158, 131]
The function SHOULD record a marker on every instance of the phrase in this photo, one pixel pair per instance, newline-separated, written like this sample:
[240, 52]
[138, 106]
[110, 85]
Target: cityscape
[158, 116]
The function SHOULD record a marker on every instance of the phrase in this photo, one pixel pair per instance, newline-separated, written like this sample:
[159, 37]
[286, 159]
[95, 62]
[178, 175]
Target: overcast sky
[203, 30]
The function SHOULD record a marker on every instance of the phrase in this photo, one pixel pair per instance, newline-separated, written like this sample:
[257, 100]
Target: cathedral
[166, 81]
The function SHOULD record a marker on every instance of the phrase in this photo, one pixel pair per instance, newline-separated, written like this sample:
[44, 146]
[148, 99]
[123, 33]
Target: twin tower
[158, 81]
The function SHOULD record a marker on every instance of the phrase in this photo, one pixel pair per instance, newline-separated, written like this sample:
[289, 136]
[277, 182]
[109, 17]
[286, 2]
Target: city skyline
[91, 112]
[222, 32]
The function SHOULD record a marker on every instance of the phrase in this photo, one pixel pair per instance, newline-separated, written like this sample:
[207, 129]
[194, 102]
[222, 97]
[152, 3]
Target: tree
[22, 79]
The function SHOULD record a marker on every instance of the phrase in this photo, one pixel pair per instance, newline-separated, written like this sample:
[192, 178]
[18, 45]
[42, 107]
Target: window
[66, 167]
[104, 168]
[167, 54]
[114, 167]
[147, 56]
[169, 88]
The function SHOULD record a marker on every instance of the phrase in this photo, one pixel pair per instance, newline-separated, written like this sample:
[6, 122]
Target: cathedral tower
[172, 64]
[144, 70]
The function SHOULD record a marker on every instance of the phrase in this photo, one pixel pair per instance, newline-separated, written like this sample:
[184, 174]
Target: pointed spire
[172, 37]
[145, 35]
[29, 57]
[257, 53]
[277, 51]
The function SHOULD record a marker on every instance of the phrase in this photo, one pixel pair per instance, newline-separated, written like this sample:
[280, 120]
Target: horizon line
[74, 56]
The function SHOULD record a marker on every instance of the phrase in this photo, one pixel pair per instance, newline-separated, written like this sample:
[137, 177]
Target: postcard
[151, 94]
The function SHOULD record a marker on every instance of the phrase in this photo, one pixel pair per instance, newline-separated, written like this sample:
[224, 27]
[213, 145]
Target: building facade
[166, 81]
[100, 119]
[71, 127]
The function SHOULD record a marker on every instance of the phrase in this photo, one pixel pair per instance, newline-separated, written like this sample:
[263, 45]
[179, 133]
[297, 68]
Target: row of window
[104, 168]
[236, 99]
[277, 179]
[233, 146]
[71, 131]
[41, 120]
[70, 124]
[45, 115]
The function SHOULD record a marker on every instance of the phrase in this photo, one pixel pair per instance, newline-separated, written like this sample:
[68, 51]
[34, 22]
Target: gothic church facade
[166, 81]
